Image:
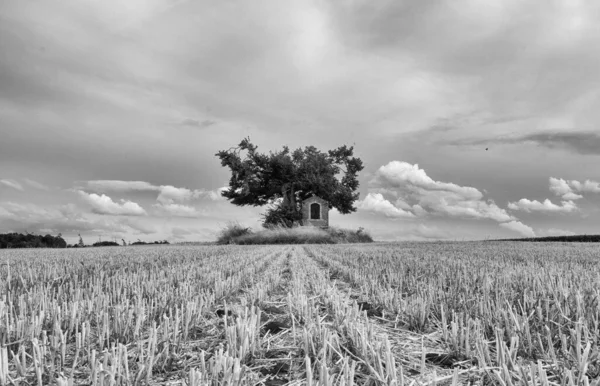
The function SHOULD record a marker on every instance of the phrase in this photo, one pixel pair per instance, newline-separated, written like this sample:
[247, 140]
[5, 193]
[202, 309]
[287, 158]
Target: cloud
[588, 186]
[180, 233]
[35, 184]
[374, 202]
[142, 227]
[561, 187]
[420, 194]
[399, 174]
[167, 193]
[546, 206]
[103, 204]
[177, 210]
[519, 227]
[196, 123]
[12, 184]
[171, 200]
[103, 186]
[16, 217]
[579, 142]
[569, 190]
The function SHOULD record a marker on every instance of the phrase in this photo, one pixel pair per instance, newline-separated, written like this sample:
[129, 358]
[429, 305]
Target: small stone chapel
[315, 212]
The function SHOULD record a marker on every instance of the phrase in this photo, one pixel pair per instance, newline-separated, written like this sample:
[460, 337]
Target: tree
[285, 178]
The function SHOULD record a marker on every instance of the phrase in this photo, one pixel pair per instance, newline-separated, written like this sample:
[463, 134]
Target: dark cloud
[587, 143]
[517, 57]
[582, 142]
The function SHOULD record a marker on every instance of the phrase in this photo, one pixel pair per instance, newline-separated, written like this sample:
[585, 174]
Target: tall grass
[236, 234]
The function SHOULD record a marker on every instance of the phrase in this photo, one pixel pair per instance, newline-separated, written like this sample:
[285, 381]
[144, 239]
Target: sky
[474, 119]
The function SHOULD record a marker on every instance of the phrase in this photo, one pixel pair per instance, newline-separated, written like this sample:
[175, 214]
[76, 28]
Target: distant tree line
[115, 244]
[566, 239]
[139, 242]
[18, 240]
[28, 240]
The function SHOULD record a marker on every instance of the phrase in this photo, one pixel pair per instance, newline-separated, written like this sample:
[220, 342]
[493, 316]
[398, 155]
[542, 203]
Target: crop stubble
[395, 314]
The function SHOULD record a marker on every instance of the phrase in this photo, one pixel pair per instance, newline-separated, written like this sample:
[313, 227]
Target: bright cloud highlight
[103, 204]
[546, 206]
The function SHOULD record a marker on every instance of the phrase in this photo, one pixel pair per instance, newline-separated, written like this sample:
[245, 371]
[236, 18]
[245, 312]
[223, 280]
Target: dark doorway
[315, 211]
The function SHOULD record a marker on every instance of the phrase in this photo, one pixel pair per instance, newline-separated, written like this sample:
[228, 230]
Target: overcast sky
[474, 119]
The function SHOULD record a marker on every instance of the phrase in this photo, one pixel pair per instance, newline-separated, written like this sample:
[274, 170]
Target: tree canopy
[286, 177]
[18, 240]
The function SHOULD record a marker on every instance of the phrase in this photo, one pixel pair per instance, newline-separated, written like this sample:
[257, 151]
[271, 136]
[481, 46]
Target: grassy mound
[234, 233]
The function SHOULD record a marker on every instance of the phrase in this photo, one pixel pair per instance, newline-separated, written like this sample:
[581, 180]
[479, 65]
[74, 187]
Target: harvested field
[394, 314]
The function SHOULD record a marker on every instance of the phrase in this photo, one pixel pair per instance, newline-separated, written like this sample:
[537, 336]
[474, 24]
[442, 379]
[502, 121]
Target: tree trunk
[289, 196]
[285, 195]
[293, 198]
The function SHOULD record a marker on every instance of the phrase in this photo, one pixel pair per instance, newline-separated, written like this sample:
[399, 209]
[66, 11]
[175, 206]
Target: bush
[236, 234]
[232, 231]
[105, 244]
[280, 216]
[350, 236]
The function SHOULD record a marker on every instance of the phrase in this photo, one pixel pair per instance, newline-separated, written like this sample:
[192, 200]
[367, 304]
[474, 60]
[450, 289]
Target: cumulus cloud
[376, 203]
[16, 217]
[11, 184]
[103, 204]
[561, 188]
[546, 206]
[421, 195]
[397, 174]
[569, 190]
[586, 186]
[519, 227]
[171, 200]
